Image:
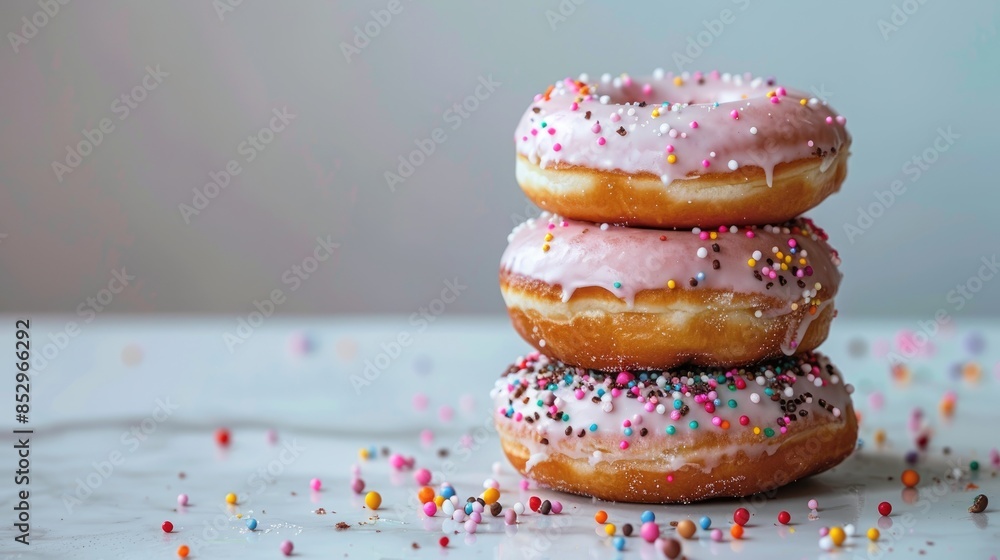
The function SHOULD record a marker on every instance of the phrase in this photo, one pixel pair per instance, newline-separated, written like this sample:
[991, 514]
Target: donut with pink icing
[666, 151]
[611, 297]
[674, 436]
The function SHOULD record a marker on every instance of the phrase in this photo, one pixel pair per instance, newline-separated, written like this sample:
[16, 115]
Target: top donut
[684, 151]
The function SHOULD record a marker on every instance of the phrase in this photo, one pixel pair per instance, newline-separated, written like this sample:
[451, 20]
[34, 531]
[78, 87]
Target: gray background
[324, 174]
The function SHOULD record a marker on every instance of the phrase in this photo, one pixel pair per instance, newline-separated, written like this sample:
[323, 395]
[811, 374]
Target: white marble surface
[110, 378]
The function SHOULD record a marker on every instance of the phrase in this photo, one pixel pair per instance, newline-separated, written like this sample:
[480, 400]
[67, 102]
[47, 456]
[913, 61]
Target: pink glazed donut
[614, 297]
[679, 151]
[680, 435]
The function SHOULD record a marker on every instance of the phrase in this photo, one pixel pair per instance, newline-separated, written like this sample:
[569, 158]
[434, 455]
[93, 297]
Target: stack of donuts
[672, 291]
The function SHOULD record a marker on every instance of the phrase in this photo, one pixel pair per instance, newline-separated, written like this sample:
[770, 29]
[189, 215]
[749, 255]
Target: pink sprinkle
[675, 415]
[420, 401]
[574, 106]
[829, 120]
[475, 516]
[670, 148]
[534, 132]
[823, 531]
[287, 547]
[626, 81]
[716, 421]
[670, 478]
[552, 226]
[723, 229]
[557, 146]
[709, 407]
[579, 394]
[694, 124]
[182, 499]
[735, 114]
[792, 243]
[623, 444]
[615, 117]
[750, 234]
[647, 89]
[775, 100]
[525, 484]
[813, 504]
[601, 141]
[773, 275]
[703, 235]
[650, 406]
[810, 143]
[781, 91]
[716, 535]
[705, 163]
[841, 120]
[397, 461]
[518, 417]
[430, 508]
[564, 223]
[538, 97]
[552, 131]
[315, 484]
[445, 413]
[357, 485]
[271, 436]
[556, 507]
[422, 477]
[714, 74]
[626, 423]
[596, 128]
[524, 138]
[624, 378]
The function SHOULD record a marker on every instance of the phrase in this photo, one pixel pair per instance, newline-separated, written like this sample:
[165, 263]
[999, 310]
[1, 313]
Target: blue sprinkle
[693, 424]
[251, 523]
[705, 522]
[732, 403]
[769, 391]
[671, 430]
[648, 516]
[468, 508]
[678, 404]
[619, 543]
[717, 402]
[700, 276]
[617, 284]
[628, 432]
[600, 392]
[593, 427]
[447, 492]
[716, 104]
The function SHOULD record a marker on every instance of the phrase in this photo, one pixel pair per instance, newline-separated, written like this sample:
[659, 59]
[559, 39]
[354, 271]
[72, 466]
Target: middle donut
[618, 298]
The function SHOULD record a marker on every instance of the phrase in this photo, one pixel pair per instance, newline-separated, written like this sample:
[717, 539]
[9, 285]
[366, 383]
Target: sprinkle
[873, 533]
[167, 527]
[884, 508]
[251, 523]
[741, 516]
[182, 499]
[601, 141]
[601, 516]
[753, 130]
[230, 498]
[287, 547]
[910, 478]
[705, 163]
[733, 165]
[556, 147]
[671, 158]
[373, 500]
[702, 252]
[617, 285]
[183, 551]
[694, 124]
[735, 114]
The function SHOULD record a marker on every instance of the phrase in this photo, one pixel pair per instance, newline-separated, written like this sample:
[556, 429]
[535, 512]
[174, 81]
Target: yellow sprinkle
[656, 113]
[784, 266]
[671, 284]
[771, 93]
[873, 534]
[756, 430]
[795, 306]
[791, 530]
[780, 255]
[818, 286]
[610, 528]
[490, 496]
[752, 262]
[802, 261]
[230, 498]
[802, 101]
[545, 248]
[788, 258]
[439, 501]
[671, 158]
[678, 81]
[239, 516]
[548, 237]
[713, 235]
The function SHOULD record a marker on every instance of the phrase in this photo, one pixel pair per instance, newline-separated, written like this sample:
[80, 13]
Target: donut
[614, 297]
[685, 151]
[674, 436]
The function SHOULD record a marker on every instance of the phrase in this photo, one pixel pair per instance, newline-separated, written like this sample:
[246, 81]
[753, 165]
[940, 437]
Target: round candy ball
[705, 522]
[167, 527]
[741, 516]
[686, 528]
[784, 517]
[315, 484]
[649, 531]
[287, 547]
[910, 478]
[884, 508]
[671, 548]
[251, 523]
[373, 500]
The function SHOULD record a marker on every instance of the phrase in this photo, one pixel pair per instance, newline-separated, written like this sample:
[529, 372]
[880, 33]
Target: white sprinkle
[617, 82]
[849, 388]
[818, 382]
[711, 154]
[789, 392]
[836, 413]
[757, 314]
[584, 77]
[660, 409]
[754, 398]
[733, 229]
[761, 380]
[696, 230]
[541, 343]
[604, 227]
[733, 165]
[702, 252]
[608, 406]
[658, 74]
[753, 130]
[604, 99]
[664, 128]
[757, 256]
[664, 178]
[605, 78]
[631, 112]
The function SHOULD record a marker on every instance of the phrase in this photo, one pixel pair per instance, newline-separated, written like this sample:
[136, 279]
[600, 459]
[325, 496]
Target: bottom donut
[676, 436]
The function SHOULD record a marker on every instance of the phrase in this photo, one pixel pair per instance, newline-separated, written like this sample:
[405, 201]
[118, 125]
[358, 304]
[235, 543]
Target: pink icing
[626, 261]
[673, 408]
[722, 120]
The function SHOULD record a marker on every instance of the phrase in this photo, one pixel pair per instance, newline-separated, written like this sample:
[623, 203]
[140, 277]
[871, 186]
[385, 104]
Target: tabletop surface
[124, 414]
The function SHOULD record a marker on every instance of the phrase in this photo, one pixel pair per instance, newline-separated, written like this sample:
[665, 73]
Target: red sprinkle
[885, 508]
[443, 542]
[534, 503]
[222, 436]
[784, 517]
[167, 527]
[741, 516]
